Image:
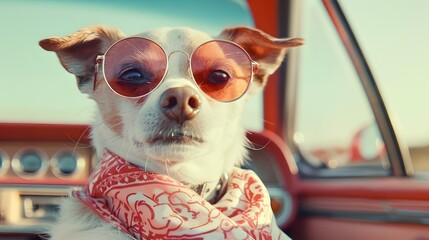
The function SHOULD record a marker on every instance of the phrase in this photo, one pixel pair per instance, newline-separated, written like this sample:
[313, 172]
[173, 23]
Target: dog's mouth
[175, 136]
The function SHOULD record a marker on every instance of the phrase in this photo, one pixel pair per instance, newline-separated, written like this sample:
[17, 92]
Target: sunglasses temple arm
[97, 63]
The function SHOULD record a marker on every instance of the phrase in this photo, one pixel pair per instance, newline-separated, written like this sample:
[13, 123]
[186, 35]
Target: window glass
[33, 85]
[394, 36]
[334, 127]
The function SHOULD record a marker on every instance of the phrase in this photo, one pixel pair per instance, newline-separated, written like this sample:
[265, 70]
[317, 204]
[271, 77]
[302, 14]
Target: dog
[169, 102]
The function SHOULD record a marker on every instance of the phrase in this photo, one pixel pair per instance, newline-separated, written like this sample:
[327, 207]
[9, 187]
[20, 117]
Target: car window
[35, 88]
[399, 59]
[335, 129]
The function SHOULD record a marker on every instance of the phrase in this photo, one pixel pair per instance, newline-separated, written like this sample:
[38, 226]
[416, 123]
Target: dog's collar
[211, 191]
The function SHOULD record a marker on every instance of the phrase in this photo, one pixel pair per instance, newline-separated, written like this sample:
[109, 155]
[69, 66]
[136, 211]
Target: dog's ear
[268, 51]
[78, 52]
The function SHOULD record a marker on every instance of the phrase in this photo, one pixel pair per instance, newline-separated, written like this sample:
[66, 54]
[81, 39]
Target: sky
[394, 36]
[34, 86]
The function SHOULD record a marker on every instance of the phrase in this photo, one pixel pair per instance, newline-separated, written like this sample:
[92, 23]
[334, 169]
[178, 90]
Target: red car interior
[393, 207]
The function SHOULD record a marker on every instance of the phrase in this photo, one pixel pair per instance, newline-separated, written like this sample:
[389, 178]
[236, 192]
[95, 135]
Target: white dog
[169, 105]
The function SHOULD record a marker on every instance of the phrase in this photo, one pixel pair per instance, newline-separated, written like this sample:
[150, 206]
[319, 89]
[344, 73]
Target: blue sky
[394, 36]
[35, 88]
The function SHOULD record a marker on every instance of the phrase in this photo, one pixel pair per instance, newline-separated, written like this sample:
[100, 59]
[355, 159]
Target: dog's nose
[180, 103]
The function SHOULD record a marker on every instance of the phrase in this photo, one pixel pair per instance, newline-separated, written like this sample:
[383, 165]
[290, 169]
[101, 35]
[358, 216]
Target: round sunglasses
[133, 67]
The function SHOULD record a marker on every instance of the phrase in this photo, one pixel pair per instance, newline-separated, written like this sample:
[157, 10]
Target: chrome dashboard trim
[55, 168]
[5, 162]
[14, 216]
[17, 166]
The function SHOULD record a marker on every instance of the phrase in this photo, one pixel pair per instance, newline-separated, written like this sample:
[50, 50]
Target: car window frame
[396, 149]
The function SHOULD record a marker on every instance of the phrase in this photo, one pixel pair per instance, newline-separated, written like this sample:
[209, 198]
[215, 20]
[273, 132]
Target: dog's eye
[134, 76]
[218, 77]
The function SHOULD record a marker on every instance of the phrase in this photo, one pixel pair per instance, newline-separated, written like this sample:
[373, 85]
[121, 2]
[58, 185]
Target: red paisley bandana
[148, 205]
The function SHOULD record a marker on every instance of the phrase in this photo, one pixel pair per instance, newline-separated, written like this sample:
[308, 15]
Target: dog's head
[178, 127]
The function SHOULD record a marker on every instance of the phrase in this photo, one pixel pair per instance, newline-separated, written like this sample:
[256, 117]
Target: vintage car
[324, 142]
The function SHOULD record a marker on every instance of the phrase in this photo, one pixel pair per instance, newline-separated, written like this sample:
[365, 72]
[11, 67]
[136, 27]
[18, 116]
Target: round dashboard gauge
[29, 163]
[66, 163]
[282, 205]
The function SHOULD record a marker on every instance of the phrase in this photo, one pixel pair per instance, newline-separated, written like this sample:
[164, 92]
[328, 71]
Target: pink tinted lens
[223, 70]
[133, 67]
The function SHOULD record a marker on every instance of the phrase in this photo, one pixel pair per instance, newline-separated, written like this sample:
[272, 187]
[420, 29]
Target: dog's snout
[180, 103]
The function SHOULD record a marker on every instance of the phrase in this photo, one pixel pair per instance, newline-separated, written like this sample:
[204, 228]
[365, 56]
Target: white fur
[217, 123]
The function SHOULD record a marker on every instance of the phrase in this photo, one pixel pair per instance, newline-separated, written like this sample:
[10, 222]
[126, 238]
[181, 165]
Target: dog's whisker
[128, 154]
[87, 130]
[250, 145]
[166, 166]
[113, 139]
[130, 146]
[145, 165]
[268, 122]
[123, 143]
[107, 118]
[75, 147]
[99, 124]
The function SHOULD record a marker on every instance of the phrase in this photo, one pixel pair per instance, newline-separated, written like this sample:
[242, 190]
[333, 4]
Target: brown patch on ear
[78, 52]
[267, 50]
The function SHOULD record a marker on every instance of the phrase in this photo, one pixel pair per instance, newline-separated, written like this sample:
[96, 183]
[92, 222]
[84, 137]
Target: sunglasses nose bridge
[188, 57]
[178, 51]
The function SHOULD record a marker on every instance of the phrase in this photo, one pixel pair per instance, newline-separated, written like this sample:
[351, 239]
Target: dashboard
[40, 164]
